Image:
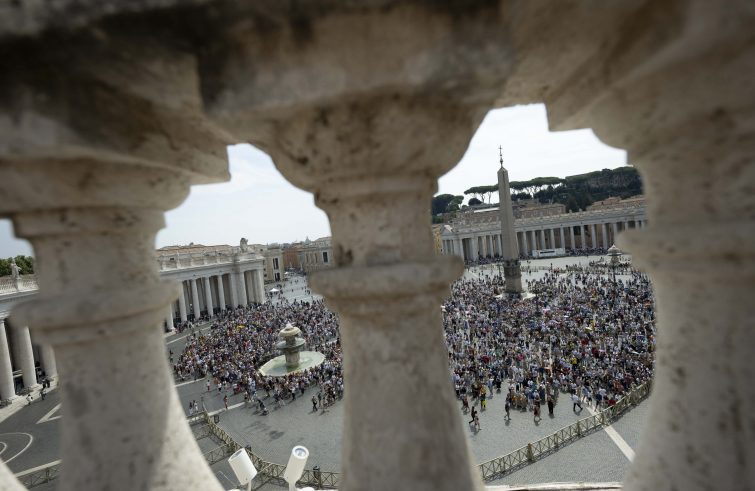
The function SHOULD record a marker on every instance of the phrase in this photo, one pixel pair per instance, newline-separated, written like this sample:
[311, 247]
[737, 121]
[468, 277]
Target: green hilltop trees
[575, 192]
[25, 265]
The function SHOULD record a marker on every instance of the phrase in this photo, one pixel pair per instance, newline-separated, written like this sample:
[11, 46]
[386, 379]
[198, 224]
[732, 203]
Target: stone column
[197, 309]
[525, 243]
[119, 145]
[7, 387]
[169, 319]
[369, 171]
[26, 357]
[562, 244]
[253, 285]
[182, 311]
[571, 237]
[615, 230]
[682, 117]
[583, 236]
[49, 365]
[474, 250]
[604, 230]
[458, 248]
[208, 296]
[241, 288]
[233, 284]
[593, 236]
[259, 279]
[221, 292]
[552, 236]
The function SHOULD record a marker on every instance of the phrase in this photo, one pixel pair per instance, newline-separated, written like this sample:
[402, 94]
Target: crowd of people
[240, 341]
[584, 334]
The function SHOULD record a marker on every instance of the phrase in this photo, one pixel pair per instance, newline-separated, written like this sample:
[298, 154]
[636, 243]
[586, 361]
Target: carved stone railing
[24, 283]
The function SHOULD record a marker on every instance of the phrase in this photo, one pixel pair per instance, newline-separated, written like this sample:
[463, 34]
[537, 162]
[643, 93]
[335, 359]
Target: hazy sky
[259, 204]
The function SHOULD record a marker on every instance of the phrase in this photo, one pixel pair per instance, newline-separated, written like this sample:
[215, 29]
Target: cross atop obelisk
[511, 268]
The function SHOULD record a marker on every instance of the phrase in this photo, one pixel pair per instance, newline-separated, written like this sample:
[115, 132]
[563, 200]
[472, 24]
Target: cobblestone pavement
[31, 437]
[593, 458]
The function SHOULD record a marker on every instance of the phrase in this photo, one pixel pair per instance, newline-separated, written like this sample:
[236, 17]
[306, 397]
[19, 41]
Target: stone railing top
[24, 283]
[189, 260]
[462, 223]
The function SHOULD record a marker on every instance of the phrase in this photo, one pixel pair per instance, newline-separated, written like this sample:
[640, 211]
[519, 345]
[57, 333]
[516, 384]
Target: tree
[454, 204]
[25, 265]
[440, 203]
[474, 201]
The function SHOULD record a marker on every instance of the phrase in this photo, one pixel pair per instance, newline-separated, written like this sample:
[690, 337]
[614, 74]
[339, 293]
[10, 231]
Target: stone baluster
[373, 174]
[680, 108]
[90, 159]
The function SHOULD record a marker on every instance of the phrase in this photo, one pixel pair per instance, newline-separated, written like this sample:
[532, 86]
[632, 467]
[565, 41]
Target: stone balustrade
[8, 284]
[110, 112]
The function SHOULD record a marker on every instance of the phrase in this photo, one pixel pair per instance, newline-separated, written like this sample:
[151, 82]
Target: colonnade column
[182, 311]
[250, 286]
[604, 230]
[221, 293]
[552, 236]
[526, 243]
[7, 387]
[583, 236]
[241, 288]
[25, 354]
[562, 244]
[233, 283]
[593, 236]
[208, 296]
[615, 230]
[197, 310]
[260, 282]
[169, 319]
[49, 365]
[458, 249]
[571, 237]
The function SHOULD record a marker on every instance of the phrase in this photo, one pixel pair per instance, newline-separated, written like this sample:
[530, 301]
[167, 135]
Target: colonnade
[208, 295]
[580, 236]
[23, 354]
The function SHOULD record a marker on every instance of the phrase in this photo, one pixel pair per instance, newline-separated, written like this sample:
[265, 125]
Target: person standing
[575, 402]
[225, 402]
[314, 404]
[550, 405]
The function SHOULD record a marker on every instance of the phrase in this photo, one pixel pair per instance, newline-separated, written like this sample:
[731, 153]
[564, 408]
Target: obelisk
[511, 268]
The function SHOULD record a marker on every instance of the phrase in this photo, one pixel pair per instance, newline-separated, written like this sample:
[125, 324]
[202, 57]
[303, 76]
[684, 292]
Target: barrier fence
[203, 425]
[501, 466]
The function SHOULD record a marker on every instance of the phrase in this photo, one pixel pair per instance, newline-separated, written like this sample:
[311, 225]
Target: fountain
[294, 358]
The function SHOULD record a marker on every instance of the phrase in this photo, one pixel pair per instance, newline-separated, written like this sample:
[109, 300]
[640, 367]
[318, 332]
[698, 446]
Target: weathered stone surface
[109, 111]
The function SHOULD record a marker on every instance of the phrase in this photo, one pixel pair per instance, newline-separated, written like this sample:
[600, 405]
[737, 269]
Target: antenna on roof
[500, 154]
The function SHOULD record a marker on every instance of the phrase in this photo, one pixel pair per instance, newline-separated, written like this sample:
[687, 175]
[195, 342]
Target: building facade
[316, 255]
[212, 279]
[477, 234]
